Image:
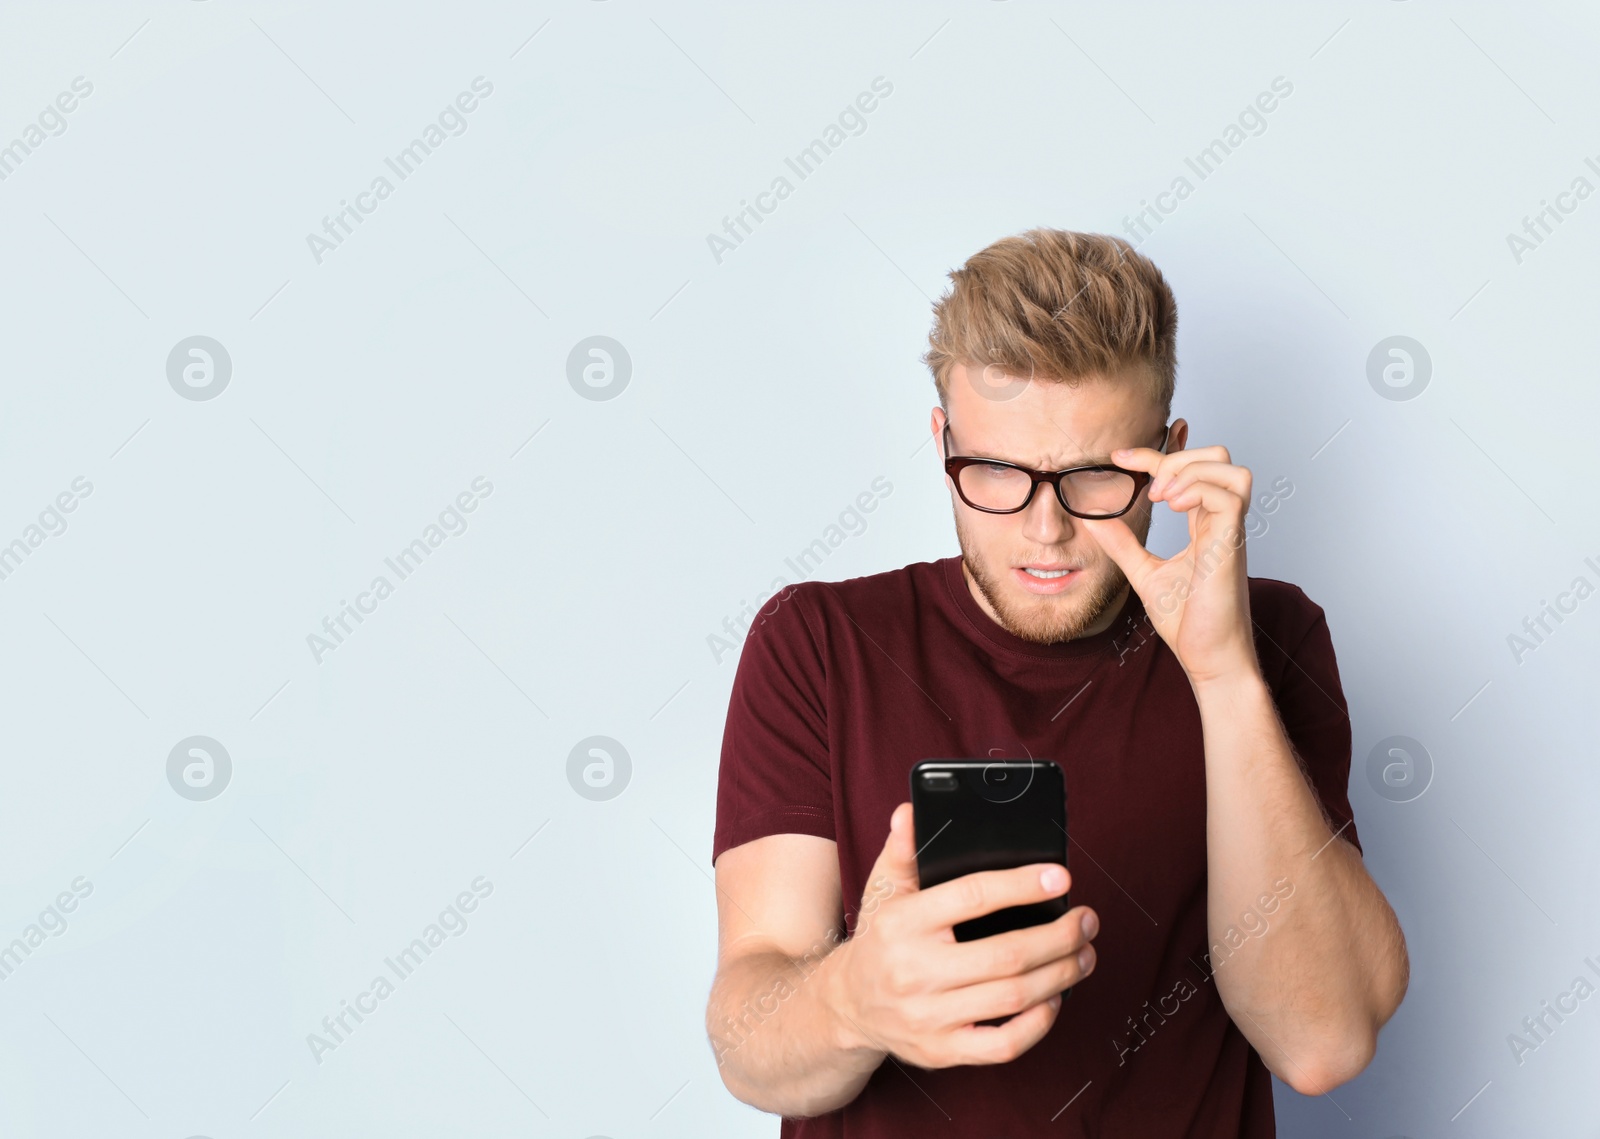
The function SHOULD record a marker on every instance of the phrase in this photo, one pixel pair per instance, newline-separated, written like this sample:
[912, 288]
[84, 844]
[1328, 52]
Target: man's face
[1048, 426]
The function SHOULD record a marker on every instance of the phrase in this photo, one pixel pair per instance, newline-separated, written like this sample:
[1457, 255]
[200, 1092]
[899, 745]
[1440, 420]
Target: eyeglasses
[1096, 490]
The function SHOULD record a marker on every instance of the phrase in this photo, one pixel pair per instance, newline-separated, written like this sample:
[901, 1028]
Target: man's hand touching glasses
[1198, 599]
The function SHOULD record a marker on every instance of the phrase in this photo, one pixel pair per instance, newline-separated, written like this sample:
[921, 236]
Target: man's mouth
[1045, 579]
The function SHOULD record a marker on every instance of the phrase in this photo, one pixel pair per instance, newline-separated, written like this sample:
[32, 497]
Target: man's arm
[777, 1040]
[1311, 984]
[1311, 992]
[800, 1017]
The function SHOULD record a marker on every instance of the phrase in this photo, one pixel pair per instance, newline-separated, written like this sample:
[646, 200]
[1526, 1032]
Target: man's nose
[1044, 521]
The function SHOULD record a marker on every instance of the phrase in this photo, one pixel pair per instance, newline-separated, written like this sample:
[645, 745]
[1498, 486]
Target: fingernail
[1055, 1001]
[1086, 959]
[1054, 879]
[1091, 924]
[1121, 452]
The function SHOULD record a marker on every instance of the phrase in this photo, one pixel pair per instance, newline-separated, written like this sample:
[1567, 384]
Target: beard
[1046, 620]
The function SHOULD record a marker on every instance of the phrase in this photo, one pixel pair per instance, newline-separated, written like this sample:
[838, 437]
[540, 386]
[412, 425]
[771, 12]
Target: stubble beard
[1048, 620]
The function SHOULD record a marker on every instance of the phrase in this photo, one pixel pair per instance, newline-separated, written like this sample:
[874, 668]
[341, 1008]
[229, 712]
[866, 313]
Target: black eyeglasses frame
[954, 464]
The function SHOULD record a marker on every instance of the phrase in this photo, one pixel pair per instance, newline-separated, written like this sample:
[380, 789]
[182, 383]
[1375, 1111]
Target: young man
[1226, 925]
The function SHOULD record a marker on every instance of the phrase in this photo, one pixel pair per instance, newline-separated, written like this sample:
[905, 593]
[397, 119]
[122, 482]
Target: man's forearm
[1312, 989]
[780, 1040]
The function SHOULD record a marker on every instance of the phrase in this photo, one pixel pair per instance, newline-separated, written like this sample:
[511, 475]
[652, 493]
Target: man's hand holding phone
[904, 985]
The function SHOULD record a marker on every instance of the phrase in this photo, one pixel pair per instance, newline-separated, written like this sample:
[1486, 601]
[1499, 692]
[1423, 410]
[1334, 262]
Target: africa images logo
[199, 768]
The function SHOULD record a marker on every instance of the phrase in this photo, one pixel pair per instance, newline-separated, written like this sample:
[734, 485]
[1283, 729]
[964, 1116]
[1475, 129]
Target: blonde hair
[1057, 305]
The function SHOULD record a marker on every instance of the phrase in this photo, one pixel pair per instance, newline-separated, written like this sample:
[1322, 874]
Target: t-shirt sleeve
[1312, 706]
[775, 776]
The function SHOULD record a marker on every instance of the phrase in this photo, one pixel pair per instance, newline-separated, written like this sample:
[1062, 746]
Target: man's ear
[1178, 437]
[936, 422]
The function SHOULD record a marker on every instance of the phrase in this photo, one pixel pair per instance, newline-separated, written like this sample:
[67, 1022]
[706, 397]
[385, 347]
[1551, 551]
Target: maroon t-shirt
[842, 687]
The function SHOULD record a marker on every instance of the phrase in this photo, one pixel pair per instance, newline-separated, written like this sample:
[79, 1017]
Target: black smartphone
[990, 814]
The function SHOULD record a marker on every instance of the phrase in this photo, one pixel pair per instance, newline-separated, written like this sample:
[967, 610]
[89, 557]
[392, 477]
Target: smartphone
[990, 814]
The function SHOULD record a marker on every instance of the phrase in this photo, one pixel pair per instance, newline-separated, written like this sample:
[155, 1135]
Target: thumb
[1117, 540]
[895, 871]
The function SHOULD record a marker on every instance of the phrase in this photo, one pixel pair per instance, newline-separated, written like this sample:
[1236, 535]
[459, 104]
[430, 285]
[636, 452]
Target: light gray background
[369, 390]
